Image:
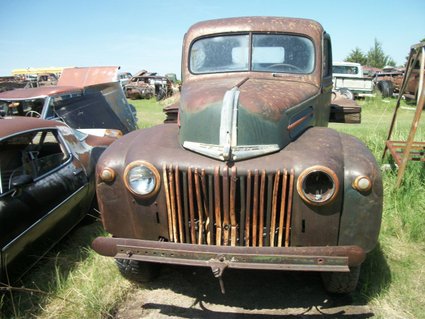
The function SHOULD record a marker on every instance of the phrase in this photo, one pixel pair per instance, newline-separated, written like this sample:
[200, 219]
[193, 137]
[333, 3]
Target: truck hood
[239, 118]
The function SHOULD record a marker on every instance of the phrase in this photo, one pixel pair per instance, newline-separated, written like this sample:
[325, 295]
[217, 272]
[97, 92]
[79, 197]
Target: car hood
[238, 118]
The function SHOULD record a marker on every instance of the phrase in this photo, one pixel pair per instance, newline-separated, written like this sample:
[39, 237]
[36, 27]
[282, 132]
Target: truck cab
[350, 81]
[250, 176]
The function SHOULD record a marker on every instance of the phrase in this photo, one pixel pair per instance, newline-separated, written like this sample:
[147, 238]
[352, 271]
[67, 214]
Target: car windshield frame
[252, 52]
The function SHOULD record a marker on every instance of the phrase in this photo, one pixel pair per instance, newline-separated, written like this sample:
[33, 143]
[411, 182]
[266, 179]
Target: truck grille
[224, 208]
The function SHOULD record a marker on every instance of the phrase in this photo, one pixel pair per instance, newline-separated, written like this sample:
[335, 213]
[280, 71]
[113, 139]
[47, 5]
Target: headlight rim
[323, 169]
[152, 168]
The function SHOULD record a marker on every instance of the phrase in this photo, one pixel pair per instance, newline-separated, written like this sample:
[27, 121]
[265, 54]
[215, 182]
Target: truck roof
[262, 24]
[274, 24]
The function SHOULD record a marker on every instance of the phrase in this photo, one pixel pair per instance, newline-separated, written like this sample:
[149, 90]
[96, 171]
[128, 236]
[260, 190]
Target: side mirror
[21, 180]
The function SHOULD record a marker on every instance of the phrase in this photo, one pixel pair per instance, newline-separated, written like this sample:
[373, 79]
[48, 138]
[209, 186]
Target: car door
[43, 187]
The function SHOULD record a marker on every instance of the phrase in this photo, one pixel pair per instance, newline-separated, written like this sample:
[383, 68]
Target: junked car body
[124, 78]
[249, 177]
[85, 98]
[47, 186]
[348, 79]
[145, 85]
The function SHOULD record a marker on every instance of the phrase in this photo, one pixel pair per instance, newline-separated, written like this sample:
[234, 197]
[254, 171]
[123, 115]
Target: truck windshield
[274, 53]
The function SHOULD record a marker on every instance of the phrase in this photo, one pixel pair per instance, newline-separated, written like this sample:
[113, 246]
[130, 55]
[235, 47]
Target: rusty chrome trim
[329, 258]
[154, 171]
[298, 122]
[317, 168]
[238, 152]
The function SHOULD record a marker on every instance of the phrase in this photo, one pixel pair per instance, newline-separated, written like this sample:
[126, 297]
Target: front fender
[362, 211]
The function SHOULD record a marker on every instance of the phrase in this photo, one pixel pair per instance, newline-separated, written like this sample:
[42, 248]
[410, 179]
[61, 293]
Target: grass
[74, 282]
[149, 112]
[70, 282]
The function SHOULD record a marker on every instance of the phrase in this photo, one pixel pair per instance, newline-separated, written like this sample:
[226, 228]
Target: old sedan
[46, 187]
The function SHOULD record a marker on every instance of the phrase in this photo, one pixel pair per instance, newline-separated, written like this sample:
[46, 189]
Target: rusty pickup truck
[249, 176]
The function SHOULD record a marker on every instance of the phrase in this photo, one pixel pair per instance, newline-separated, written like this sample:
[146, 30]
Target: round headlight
[318, 185]
[141, 178]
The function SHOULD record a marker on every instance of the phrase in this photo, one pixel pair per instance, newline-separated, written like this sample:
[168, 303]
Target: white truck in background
[349, 80]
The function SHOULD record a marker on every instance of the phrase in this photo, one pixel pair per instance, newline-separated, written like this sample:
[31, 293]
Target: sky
[141, 34]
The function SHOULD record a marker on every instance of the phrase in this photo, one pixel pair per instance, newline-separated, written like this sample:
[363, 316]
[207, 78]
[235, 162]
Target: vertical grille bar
[217, 202]
[274, 208]
[226, 215]
[206, 208]
[248, 210]
[200, 206]
[179, 204]
[173, 204]
[261, 219]
[211, 210]
[191, 207]
[255, 210]
[289, 208]
[269, 207]
[167, 201]
[243, 210]
[226, 209]
[233, 222]
[186, 207]
[282, 209]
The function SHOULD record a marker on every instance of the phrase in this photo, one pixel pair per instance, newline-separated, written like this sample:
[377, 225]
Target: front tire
[341, 282]
[138, 271]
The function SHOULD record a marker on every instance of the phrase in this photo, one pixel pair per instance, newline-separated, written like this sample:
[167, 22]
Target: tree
[377, 58]
[356, 56]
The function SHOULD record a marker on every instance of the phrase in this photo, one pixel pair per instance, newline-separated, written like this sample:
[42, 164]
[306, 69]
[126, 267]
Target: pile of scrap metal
[388, 81]
[15, 82]
[10, 82]
[87, 98]
[146, 85]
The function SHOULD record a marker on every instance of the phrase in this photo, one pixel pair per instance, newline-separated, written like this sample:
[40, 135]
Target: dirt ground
[187, 292]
